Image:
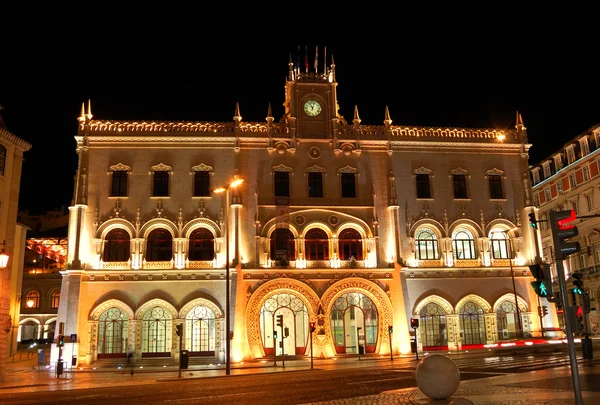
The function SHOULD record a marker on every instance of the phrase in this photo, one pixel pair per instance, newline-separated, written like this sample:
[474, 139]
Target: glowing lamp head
[30, 304]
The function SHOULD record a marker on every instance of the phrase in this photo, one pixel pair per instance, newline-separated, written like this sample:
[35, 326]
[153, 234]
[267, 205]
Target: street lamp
[519, 332]
[236, 182]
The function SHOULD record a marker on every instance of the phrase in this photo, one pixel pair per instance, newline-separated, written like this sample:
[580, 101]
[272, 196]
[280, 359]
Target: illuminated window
[350, 245]
[426, 244]
[32, 299]
[316, 245]
[202, 245]
[464, 244]
[500, 243]
[55, 299]
[116, 247]
[586, 173]
[2, 159]
[283, 245]
[159, 247]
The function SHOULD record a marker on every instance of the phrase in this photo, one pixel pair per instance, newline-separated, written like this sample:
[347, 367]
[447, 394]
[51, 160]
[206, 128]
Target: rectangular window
[423, 188]
[586, 173]
[282, 184]
[161, 184]
[559, 187]
[589, 198]
[315, 184]
[2, 159]
[119, 184]
[575, 206]
[547, 194]
[572, 181]
[547, 172]
[460, 185]
[585, 150]
[348, 185]
[570, 155]
[558, 162]
[55, 301]
[495, 187]
[202, 183]
[536, 177]
[536, 199]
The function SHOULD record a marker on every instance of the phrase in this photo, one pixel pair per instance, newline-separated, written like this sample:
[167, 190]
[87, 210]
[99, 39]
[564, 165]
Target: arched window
[472, 323]
[156, 332]
[112, 333]
[32, 299]
[316, 245]
[55, 299]
[354, 323]
[464, 244]
[202, 245]
[283, 244]
[159, 247]
[426, 244]
[433, 325]
[350, 245]
[499, 240]
[116, 248]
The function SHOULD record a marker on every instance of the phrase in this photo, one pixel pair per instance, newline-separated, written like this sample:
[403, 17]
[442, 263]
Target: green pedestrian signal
[540, 287]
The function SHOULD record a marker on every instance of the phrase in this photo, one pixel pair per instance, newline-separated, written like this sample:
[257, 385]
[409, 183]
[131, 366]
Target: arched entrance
[156, 332]
[472, 323]
[200, 331]
[113, 325]
[292, 336]
[432, 325]
[354, 324]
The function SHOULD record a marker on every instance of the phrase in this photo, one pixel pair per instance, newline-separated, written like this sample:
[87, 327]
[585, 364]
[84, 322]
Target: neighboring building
[12, 236]
[569, 179]
[40, 294]
[354, 227]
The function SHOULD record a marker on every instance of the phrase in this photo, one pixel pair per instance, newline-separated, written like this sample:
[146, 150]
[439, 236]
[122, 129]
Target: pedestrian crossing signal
[60, 341]
[532, 220]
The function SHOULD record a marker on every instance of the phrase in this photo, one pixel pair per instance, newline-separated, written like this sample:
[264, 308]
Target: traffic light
[414, 323]
[390, 329]
[274, 334]
[562, 232]
[579, 325]
[532, 220]
[312, 327]
[279, 320]
[577, 283]
[543, 310]
[60, 341]
[179, 330]
[543, 280]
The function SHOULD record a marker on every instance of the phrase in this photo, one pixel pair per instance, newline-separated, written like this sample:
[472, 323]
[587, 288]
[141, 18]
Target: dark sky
[557, 99]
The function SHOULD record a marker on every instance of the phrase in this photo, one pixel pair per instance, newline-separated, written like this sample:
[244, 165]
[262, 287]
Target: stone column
[491, 328]
[453, 332]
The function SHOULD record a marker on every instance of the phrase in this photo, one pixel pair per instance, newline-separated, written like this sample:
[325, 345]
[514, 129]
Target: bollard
[437, 376]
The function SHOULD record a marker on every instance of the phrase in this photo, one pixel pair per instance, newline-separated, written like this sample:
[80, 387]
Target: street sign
[73, 338]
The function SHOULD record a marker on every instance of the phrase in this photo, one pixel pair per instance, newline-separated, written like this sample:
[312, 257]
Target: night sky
[557, 100]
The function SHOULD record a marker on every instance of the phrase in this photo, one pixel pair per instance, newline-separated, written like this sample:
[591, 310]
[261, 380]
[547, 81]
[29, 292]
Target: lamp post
[236, 182]
[519, 332]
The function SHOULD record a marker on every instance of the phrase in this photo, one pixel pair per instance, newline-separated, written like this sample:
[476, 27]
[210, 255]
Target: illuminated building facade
[569, 180]
[355, 227]
[12, 237]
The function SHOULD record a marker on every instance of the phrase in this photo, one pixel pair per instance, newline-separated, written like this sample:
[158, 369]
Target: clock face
[312, 108]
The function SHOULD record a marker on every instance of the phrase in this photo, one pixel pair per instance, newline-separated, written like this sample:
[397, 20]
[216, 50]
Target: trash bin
[41, 357]
[413, 345]
[74, 361]
[361, 349]
[184, 359]
[59, 368]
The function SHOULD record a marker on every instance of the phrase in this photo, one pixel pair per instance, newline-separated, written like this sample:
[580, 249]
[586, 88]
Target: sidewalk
[550, 386]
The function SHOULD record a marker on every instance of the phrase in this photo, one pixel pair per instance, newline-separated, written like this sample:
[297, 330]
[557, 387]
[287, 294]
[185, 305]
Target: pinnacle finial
[387, 119]
[237, 116]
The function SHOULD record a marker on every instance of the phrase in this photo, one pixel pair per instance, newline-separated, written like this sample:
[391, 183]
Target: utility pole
[561, 231]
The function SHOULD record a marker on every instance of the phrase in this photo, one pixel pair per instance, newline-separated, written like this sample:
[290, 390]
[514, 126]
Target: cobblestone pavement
[549, 386]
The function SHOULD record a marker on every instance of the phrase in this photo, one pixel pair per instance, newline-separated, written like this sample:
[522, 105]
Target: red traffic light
[563, 223]
[312, 327]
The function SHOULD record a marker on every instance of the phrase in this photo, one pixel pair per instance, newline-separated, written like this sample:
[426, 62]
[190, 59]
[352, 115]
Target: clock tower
[311, 106]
